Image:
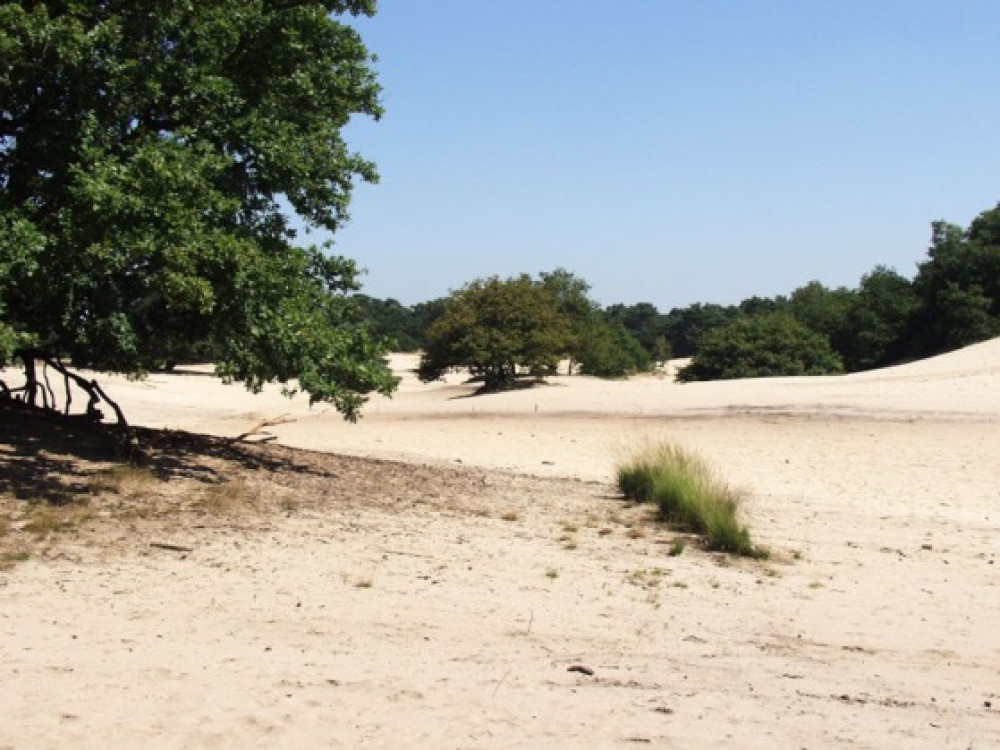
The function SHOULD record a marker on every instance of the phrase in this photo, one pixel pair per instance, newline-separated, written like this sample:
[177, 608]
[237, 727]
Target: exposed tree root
[39, 395]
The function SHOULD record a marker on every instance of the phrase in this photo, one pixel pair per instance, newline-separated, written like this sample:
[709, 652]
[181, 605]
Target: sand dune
[874, 625]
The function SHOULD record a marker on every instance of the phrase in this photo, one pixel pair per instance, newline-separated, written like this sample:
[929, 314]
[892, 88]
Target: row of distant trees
[501, 328]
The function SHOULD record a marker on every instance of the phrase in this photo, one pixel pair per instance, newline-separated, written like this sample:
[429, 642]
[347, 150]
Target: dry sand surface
[438, 574]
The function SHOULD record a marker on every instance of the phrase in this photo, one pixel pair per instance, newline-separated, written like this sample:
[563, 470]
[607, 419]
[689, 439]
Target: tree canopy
[959, 286]
[499, 329]
[764, 345]
[155, 158]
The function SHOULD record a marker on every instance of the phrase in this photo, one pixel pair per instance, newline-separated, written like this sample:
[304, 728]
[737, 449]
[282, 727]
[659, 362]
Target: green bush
[608, 350]
[762, 346]
[687, 494]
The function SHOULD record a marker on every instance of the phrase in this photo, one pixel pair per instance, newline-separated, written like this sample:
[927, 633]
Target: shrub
[687, 494]
[761, 346]
[608, 350]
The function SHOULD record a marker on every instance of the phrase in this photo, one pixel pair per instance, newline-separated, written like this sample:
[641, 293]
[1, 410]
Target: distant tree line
[952, 301]
[503, 329]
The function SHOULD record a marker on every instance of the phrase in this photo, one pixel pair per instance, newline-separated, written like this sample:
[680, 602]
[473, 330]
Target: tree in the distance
[959, 286]
[573, 301]
[499, 330]
[880, 319]
[766, 345]
[147, 153]
[609, 350]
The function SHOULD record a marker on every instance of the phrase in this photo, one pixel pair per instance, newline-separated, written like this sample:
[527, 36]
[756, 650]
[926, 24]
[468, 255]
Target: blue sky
[672, 151]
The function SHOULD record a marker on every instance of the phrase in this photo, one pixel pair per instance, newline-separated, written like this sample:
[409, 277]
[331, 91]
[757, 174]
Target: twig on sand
[171, 547]
[499, 683]
[255, 431]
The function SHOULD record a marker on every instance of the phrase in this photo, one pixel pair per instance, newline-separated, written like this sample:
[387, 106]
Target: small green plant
[646, 578]
[676, 548]
[225, 497]
[687, 494]
[9, 559]
[123, 479]
[551, 573]
[45, 521]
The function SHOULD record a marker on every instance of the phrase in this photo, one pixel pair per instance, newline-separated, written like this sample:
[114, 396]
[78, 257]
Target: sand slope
[874, 626]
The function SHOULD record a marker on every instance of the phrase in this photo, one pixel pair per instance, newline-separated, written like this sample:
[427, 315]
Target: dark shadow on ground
[41, 455]
[518, 385]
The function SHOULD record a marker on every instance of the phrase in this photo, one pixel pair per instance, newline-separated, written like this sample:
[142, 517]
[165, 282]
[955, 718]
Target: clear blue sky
[672, 151]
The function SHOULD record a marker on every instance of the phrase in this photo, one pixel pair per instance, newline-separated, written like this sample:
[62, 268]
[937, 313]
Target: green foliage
[608, 350]
[391, 321]
[646, 325]
[499, 330]
[759, 305]
[825, 311]
[146, 150]
[762, 346]
[686, 326]
[687, 494]
[959, 286]
[572, 301]
[880, 319]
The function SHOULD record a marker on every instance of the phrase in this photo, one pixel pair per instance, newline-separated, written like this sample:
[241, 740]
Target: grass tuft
[226, 497]
[9, 559]
[45, 521]
[687, 494]
[124, 479]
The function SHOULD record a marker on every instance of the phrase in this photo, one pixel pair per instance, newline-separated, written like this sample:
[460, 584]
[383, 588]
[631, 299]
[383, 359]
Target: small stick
[256, 429]
[171, 547]
[500, 683]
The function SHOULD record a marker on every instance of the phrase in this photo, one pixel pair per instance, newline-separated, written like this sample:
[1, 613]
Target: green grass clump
[9, 559]
[687, 494]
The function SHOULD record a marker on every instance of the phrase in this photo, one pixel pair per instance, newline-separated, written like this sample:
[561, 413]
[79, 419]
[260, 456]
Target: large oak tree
[155, 156]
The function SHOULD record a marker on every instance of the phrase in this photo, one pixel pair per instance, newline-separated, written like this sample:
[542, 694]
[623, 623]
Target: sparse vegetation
[9, 559]
[646, 578]
[676, 548]
[225, 497]
[687, 494]
[124, 479]
[45, 520]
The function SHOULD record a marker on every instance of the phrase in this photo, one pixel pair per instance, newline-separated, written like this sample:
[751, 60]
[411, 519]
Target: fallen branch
[256, 430]
[171, 547]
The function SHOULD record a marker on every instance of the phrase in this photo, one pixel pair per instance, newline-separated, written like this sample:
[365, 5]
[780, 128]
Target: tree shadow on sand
[50, 459]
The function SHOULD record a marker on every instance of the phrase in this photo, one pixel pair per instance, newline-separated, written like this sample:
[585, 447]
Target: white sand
[875, 626]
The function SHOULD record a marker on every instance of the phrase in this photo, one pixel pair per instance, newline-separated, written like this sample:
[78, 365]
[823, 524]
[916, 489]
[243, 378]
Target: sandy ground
[441, 598]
